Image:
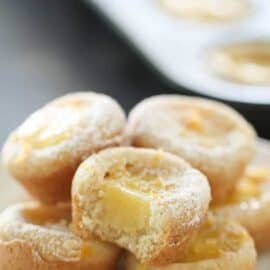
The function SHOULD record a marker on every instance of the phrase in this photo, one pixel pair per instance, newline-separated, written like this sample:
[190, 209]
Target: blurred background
[49, 48]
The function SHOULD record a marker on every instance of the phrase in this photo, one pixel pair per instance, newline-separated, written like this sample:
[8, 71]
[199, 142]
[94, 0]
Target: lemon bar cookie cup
[38, 237]
[45, 151]
[147, 201]
[218, 245]
[211, 136]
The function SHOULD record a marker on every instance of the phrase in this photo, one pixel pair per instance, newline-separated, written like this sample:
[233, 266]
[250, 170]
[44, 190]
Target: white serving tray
[177, 47]
[12, 192]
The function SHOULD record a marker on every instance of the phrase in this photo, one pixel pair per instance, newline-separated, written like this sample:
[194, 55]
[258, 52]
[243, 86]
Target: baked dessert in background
[37, 237]
[211, 136]
[249, 204]
[207, 10]
[244, 62]
[218, 245]
[44, 152]
[147, 201]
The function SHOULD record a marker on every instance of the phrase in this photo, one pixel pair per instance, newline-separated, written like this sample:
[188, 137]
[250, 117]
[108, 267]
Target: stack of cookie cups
[220, 143]
[136, 192]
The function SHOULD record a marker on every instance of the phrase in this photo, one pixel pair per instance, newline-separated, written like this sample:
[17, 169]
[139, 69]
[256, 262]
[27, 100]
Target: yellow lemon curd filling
[125, 209]
[48, 134]
[249, 186]
[37, 140]
[202, 127]
[127, 193]
[44, 216]
[213, 240]
[252, 53]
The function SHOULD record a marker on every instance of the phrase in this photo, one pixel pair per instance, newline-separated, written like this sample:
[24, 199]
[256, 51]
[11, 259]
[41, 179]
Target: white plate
[177, 47]
[11, 192]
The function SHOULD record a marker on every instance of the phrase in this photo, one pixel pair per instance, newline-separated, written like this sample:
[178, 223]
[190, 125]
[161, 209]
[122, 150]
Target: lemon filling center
[47, 218]
[127, 193]
[202, 127]
[251, 54]
[213, 240]
[249, 186]
[39, 140]
[87, 250]
[47, 130]
[124, 208]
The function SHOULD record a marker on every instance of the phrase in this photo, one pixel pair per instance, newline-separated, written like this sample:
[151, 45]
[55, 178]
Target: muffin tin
[178, 47]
